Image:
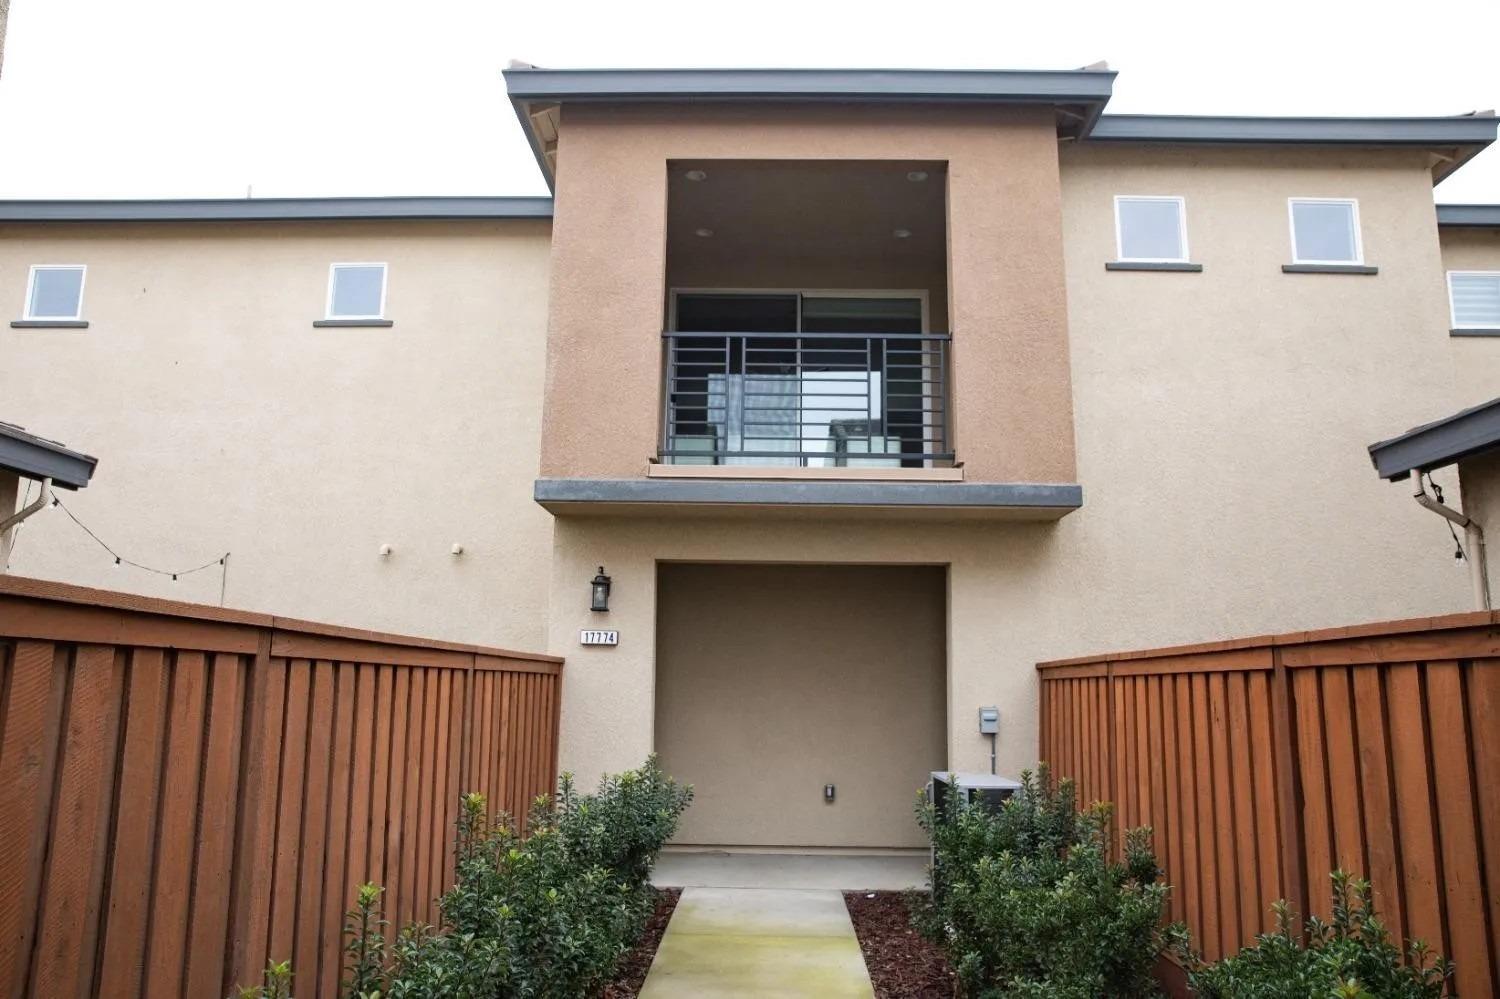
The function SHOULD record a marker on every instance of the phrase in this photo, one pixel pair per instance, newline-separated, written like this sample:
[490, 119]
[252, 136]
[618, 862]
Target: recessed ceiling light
[901, 233]
[696, 175]
[705, 233]
[917, 176]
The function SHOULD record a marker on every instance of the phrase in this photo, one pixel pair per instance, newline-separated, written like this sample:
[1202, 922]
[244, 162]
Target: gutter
[1475, 555]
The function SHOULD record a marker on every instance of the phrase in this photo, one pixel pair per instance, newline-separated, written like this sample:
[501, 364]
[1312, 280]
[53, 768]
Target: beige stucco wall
[1011, 400]
[1476, 360]
[223, 421]
[1222, 421]
[773, 681]
[1481, 482]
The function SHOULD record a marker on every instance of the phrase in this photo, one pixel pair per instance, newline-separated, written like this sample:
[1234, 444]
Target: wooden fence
[187, 791]
[1262, 764]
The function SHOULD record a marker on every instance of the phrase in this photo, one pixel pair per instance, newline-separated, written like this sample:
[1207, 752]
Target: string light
[222, 560]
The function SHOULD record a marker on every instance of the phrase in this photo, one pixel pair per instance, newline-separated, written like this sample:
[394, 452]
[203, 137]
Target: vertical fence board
[28, 757]
[337, 891]
[64, 951]
[1463, 885]
[171, 896]
[209, 919]
[135, 826]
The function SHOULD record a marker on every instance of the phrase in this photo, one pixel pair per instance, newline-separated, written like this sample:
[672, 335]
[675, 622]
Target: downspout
[1478, 573]
[9, 523]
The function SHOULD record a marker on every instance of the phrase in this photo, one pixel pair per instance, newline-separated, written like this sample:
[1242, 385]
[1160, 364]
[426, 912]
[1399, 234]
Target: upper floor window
[1151, 229]
[1325, 231]
[55, 292]
[1474, 297]
[356, 291]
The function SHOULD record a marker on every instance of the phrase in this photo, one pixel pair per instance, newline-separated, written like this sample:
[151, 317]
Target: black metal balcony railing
[839, 400]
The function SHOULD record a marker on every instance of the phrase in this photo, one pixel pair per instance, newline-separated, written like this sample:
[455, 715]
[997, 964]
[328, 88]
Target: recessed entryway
[805, 703]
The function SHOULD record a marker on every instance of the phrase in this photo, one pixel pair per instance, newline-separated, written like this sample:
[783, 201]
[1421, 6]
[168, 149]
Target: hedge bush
[1027, 901]
[1350, 956]
[544, 916]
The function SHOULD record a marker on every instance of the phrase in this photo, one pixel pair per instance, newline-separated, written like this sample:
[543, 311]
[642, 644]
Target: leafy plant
[277, 983]
[1350, 956]
[547, 915]
[365, 929]
[1028, 902]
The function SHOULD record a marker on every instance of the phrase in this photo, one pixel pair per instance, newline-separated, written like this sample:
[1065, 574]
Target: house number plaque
[599, 637]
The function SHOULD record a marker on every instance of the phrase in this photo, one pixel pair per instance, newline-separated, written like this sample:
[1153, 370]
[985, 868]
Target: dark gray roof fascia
[1439, 443]
[1452, 130]
[528, 85]
[277, 209]
[920, 85]
[812, 493]
[38, 458]
[1487, 216]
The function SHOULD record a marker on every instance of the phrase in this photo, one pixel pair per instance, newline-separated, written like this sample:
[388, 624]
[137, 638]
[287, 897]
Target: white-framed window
[356, 291]
[55, 292]
[1325, 231]
[1151, 229]
[1474, 299]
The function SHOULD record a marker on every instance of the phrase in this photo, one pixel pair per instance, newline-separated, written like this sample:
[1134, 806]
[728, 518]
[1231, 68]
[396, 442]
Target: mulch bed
[902, 964]
[631, 974]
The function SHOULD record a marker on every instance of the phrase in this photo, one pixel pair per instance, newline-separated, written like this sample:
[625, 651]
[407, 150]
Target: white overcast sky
[204, 98]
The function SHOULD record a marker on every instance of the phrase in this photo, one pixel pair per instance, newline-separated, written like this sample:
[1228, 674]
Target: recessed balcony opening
[806, 314]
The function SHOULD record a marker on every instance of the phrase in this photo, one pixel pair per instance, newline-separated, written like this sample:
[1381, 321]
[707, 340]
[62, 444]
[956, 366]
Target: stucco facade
[225, 422]
[1216, 420]
[1476, 359]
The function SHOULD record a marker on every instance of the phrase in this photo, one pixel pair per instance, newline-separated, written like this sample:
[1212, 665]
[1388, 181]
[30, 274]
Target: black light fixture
[599, 592]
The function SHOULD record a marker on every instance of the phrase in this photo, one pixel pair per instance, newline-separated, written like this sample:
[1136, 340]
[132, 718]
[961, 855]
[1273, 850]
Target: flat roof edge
[719, 492]
[1459, 216]
[276, 209]
[529, 84]
[1441, 442]
[1473, 129]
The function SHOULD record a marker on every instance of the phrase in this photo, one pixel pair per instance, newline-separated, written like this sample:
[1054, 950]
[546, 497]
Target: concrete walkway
[847, 872]
[743, 942]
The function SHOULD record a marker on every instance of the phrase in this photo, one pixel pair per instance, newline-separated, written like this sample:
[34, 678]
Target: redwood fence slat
[1265, 763]
[188, 792]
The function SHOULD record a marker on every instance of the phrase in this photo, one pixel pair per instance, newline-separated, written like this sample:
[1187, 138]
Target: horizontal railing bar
[684, 334]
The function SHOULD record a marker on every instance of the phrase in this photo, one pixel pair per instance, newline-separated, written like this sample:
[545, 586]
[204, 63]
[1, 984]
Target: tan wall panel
[1480, 477]
[223, 421]
[1476, 360]
[775, 680]
[1013, 415]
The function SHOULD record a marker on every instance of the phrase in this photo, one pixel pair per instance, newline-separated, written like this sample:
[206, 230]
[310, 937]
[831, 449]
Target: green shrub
[544, 916]
[1350, 956]
[1027, 902]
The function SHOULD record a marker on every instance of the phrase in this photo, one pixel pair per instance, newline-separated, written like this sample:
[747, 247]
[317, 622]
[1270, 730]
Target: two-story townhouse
[866, 390]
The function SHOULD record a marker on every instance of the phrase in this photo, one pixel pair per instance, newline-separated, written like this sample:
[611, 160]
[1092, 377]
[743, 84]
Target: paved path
[742, 942]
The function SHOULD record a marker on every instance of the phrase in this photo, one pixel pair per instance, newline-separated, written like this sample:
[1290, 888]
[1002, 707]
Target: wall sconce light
[599, 592]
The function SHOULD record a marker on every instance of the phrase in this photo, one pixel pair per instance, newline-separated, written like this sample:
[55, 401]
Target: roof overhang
[1453, 140]
[34, 457]
[1079, 95]
[1439, 443]
[900, 500]
[1469, 216]
[277, 209]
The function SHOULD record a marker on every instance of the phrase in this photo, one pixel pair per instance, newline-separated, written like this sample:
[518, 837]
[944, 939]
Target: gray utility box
[985, 790]
[946, 790]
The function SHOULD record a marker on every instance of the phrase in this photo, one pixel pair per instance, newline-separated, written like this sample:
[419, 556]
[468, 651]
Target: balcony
[809, 400]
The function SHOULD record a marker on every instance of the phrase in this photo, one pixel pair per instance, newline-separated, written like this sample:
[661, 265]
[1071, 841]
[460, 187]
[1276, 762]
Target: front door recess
[776, 681]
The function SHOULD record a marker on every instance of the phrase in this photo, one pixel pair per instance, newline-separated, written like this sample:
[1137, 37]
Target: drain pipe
[1478, 574]
[7, 525]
